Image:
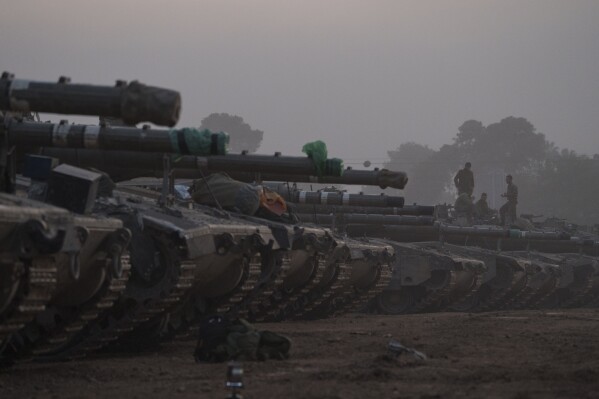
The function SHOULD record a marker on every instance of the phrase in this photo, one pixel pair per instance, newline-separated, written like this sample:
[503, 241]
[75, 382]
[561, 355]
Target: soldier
[509, 208]
[482, 209]
[464, 206]
[464, 180]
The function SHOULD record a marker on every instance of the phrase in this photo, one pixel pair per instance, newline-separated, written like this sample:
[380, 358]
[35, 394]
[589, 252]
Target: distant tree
[404, 158]
[510, 146]
[407, 156]
[563, 187]
[469, 132]
[242, 136]
[552, 182]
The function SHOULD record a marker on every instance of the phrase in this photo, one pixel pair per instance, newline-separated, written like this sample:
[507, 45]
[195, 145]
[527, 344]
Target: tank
[274, 275]
[63, 266]
[172, 250]
[83, 269]
[441, 266]
[198, 260]
[188, 260]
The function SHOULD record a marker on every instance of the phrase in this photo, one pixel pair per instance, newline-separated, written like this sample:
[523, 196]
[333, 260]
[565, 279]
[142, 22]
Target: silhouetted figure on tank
[464, 180]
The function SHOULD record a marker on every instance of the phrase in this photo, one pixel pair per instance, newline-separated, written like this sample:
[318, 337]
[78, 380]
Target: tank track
[326, 304]
[585, 294]
[317, 291]
[430, 300]
[249, 281]
[589, 291]
[38, 282]
[360, 297]
[578, 273]
[342, 295]
[322, 298]
[468, 300]
[285, 302]
[540, 285]
[501, 289]
[263, 295]
[132, 311]
[438, 278]
[51, 331]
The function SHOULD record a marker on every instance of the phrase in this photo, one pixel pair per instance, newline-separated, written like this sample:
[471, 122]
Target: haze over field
[362, 76]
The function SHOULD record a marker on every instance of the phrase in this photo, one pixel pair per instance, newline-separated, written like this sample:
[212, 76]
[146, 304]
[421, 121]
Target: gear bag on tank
[229, 193]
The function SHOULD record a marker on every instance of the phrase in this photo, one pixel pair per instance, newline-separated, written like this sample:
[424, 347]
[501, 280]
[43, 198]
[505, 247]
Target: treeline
[552, 182]
[241, 135]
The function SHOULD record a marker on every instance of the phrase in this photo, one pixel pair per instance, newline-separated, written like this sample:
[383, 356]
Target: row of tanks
[443, 265]
[88, 264]
[99, 249]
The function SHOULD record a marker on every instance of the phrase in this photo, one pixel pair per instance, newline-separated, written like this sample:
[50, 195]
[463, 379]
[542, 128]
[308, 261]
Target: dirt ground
[516, 354]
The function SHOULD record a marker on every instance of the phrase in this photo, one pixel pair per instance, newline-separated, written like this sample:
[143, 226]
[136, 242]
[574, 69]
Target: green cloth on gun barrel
[193, 141]
[317, 151]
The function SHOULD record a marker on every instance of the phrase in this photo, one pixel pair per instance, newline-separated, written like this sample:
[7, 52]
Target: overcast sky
[364, 76]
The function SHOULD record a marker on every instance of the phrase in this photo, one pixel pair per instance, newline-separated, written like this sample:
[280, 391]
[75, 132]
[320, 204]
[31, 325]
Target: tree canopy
[551, 182]
[242, 136]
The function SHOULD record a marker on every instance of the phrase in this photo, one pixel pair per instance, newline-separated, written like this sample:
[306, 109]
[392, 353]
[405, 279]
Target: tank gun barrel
[366, 219]
[27, 134]
[132, 102]
[336, 198]
[125, 165]
[497, 232]
[382, 178]
[414, 210]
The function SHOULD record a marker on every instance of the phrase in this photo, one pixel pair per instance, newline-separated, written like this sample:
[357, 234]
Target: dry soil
[516, 354]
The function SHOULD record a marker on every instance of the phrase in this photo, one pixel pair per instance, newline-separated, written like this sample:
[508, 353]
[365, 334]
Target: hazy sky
[364, 76]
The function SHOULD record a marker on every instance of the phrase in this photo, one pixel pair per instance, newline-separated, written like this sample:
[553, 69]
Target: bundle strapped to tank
[132, 102]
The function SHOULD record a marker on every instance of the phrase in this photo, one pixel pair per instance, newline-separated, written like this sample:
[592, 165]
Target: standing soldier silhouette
[464, 180]
[509, 208]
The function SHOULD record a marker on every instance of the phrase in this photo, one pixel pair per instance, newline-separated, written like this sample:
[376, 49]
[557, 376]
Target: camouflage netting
[198, 142]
